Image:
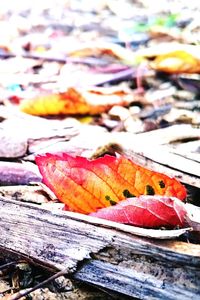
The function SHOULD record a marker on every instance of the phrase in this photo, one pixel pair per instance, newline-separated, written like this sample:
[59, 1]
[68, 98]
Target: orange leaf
[74, 101]
[176, 62]
[87, 185]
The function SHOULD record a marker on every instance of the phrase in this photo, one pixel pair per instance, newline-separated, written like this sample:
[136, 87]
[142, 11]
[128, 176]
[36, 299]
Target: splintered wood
[98, 254]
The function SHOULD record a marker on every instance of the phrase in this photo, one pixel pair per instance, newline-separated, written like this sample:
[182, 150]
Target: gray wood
[100, 255]
[165, 156]
[139, 279]
[150, 149]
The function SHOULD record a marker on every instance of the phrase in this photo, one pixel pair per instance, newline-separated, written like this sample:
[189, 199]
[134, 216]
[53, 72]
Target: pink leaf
[146, 211]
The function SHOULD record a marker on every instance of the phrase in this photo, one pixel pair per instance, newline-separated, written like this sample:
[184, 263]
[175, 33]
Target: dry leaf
[177, 62]
[12, 173]
[145, 232]
[87, 185]
[146, 211]
[167, 47]
[77, 101]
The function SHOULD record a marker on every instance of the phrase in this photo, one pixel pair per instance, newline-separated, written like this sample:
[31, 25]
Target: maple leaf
[146, 211]
[77, 101]
[176, 62]
[87, 185]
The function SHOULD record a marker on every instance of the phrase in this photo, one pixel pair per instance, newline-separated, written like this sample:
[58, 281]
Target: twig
[195, 225]
[11, 289]
[62, 60]
[8, 265]
[26, 292]
[122, 75]
[141, 70]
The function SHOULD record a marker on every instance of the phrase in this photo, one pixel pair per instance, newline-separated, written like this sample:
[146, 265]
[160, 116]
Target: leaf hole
[150, 190]
[161, 184]
[111, 201]
[128, 194]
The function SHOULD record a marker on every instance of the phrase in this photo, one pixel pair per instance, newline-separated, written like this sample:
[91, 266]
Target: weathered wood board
[158, 149]
[99, 255]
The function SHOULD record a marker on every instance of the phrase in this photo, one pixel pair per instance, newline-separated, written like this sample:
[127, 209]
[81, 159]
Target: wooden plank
[189, 150]
[153, 149]
[170, 135]
[149, 149]
[139, 279]
[164, 156]
[65, 241]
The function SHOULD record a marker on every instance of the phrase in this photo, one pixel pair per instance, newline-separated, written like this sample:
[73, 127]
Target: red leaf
[146, 211]
[87, 185]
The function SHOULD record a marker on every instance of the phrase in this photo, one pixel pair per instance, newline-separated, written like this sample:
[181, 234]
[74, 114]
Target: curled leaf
[146, 211]
[87, 185]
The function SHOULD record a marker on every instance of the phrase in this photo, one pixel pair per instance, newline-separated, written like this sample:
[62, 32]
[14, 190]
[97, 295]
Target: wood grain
[99, 255]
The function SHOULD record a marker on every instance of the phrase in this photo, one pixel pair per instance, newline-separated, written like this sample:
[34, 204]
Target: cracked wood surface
[99, 255]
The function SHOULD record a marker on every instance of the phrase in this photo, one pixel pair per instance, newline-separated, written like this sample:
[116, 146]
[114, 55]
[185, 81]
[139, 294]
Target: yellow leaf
[74, 101]
[177, 62]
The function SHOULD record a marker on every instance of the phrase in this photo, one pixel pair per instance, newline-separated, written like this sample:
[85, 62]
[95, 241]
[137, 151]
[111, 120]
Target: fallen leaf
[13, 173]
[99, 49]
[189, 83]
[167, 47]
[146, 211]
[87, 185]
[177, 62]
[77, 101]
[145, 232]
